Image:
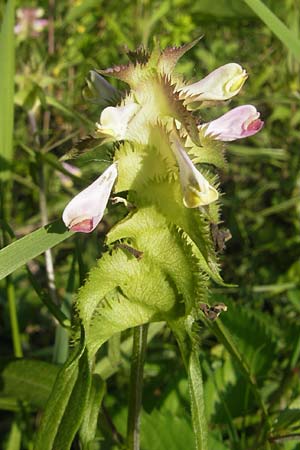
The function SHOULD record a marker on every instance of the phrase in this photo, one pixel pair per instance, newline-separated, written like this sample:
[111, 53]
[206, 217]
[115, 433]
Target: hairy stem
[136, 386]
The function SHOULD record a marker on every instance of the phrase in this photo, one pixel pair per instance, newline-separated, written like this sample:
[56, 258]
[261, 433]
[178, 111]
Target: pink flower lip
[85, 226]
[256, 125]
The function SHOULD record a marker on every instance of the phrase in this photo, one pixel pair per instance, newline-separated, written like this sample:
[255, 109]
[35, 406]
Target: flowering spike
[30, 22]
[221, 84]
[100, 91]
[238, 123]
[86, 209]
[196, 189]
[170, 55]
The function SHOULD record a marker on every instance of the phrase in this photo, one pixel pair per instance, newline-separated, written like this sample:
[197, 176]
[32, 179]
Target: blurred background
[56, 47]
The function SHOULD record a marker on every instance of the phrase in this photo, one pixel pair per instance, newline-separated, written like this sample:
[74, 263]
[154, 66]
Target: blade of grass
[23, 250]
[14, 439]
[286, 36]
[7, 70]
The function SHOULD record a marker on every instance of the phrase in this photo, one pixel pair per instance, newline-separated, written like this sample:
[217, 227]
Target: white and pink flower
[30, 22]
[221, 84]
[238, 123]
[86, 209]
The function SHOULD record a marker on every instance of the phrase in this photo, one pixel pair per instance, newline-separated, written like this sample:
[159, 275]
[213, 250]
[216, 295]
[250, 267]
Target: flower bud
[221, 84]
[100, 91]
[238, 123]
[196, 189]
[86, 209]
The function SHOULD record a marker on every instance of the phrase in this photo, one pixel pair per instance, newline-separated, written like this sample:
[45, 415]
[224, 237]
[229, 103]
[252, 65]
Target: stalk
[10, 289]
[136, 386]
[190, 355]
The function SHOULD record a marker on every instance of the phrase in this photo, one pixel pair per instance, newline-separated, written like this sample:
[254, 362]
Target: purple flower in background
[29, 22]
[65, 180]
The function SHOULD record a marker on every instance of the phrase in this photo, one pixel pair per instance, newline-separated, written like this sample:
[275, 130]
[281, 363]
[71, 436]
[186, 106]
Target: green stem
[13, 318]
[5, 202]
[136, 386]
[190, 355]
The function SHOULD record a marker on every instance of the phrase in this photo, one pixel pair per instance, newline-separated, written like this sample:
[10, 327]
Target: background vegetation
[254, 408]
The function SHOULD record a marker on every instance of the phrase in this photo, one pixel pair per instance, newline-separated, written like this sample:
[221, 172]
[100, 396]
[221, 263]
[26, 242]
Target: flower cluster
[30, 22]
[160, 99]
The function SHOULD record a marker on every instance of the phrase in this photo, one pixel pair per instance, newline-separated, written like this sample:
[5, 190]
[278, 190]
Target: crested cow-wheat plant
[161, 257]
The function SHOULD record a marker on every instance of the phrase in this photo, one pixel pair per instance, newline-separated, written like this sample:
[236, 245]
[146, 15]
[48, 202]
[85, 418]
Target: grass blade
[23, 250]
[287, 37]
[7, 70]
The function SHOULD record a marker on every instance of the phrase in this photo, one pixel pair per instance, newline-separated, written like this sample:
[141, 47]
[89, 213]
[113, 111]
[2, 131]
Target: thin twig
[117, 437]
[43, 210]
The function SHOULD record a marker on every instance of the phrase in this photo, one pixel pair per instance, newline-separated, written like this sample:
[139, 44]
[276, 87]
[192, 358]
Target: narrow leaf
[287, 37]
[66, 403]
[89, 424]
[7, 68]
[23, 250]
[14, 439]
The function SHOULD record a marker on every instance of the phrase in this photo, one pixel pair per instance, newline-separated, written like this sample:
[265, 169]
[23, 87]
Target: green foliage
[274, 23]
[254, 337]
[163, 430]
[250, 355]
[88, 426]
[28, 381]
[31, 246]
[67, 403]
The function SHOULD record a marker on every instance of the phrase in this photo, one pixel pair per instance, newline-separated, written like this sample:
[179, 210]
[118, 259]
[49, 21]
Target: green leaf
[121, 293]
[7, 70]
[14, 438]
[253, 337]
[148, 232]
[68, 111]
[226, 394]
[161, 431]
[89, 424]
[231, 343]
[286, 419]
[27, 380]
[79, 10]
[64, 410]
[23, 250]
[287, 37]
[277, 154]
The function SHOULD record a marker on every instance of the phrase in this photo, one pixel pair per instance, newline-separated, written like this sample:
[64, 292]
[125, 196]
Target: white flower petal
[196, 189]
[114, 121]
[221, 84]
[86, 209]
